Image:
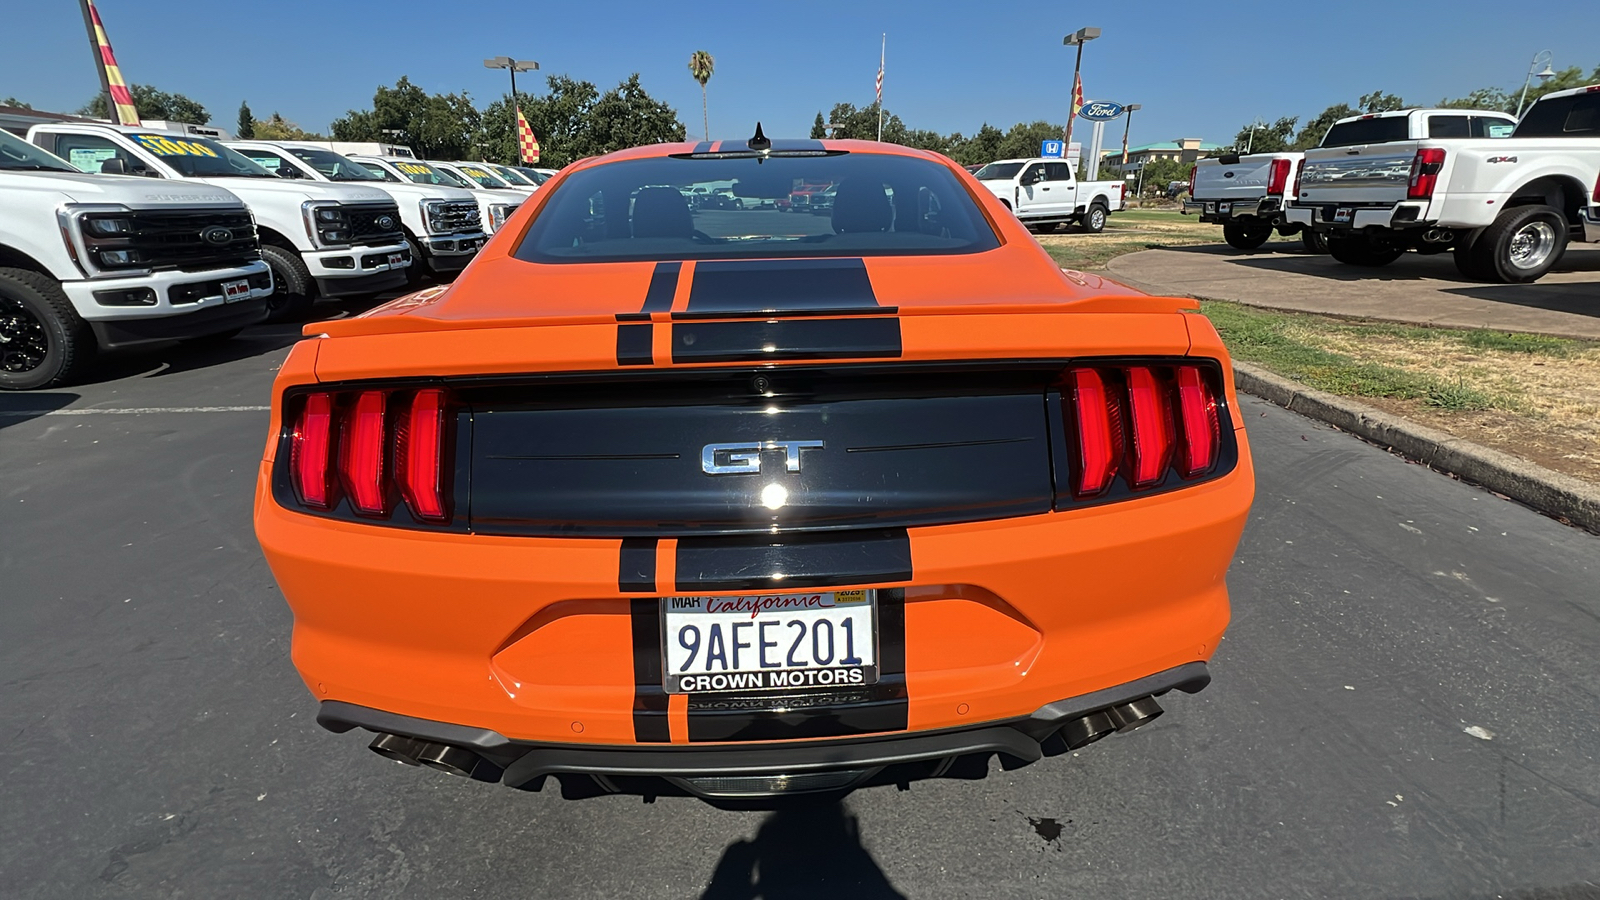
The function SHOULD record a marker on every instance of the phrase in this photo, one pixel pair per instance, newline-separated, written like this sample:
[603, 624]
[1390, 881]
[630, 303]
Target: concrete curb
[1547, 491]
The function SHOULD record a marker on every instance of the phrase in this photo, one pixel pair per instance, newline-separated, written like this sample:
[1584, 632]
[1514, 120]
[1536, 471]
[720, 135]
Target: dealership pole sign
[1101, 111]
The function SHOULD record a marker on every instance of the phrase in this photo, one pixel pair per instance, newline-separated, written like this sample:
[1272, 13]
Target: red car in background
[800, 197]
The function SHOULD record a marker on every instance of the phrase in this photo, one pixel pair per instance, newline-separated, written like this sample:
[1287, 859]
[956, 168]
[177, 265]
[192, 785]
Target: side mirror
[113, 166]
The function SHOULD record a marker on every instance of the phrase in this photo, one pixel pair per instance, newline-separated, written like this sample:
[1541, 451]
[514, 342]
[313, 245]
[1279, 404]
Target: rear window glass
[740, 208]
[1449, 127]
[1381, 130]
[1562, 116]
[1000, 171]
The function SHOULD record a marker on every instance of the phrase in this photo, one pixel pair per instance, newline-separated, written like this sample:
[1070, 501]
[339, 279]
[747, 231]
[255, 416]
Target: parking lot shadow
[1579, 299]
[801, 851]
[21, 406]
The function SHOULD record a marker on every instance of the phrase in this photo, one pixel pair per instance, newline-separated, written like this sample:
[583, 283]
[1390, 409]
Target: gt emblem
[745, 459]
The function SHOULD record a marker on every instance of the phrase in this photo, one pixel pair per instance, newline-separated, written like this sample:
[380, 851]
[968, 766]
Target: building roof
[18, 119]
[1166, 146]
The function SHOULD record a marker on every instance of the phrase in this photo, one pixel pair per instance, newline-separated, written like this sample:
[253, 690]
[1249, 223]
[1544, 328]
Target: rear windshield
[999, 171]
[1381, 130]
[649, 209]
[1578, 114]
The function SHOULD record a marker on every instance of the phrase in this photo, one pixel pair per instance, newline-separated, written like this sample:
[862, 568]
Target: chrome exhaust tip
[400, 749]
[1082, 732]
[450, 759]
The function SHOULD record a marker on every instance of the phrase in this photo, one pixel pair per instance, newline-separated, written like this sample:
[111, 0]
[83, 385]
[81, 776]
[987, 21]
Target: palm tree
[700, 66]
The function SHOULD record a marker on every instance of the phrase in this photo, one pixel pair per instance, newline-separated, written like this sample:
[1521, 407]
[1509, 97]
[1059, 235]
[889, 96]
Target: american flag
[529, 144]
[880, 81]
[123, 109]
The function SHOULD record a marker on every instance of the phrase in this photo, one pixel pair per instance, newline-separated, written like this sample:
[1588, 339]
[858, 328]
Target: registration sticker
[758, 642]
[396, 260]
[1224, 208]
[235, 290]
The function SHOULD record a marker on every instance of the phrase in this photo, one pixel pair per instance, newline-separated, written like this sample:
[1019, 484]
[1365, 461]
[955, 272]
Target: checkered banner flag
[529, 144]
[123, 110]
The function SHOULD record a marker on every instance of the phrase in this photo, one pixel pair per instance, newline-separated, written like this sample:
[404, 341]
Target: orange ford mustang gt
[733, 503]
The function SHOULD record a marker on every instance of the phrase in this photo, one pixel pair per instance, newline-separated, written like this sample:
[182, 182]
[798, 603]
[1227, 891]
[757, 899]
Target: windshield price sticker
[164, 146]
[761, 642]
[413, 168]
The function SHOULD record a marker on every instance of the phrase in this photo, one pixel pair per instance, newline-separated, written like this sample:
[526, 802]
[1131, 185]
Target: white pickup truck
[101, 262]
[1245, 195]
[443, 225]
[1044, 193]
[320, 240]
[495, 207]
[1505, 206]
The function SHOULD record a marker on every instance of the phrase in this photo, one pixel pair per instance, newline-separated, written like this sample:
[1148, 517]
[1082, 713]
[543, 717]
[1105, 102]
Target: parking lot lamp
[1076, 39]
[1543, 75]
[1127, 127]
[515, 66]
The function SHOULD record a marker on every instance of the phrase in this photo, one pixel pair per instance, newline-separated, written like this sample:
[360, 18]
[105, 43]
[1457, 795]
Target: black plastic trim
[636, 565]
[634, 345]
[754, 287]
[785, 339]
[111, 334]
[785, 561]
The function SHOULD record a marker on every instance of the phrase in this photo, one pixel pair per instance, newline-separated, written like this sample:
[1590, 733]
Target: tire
[43, 341]
[414, 271]
[1314, 241]
[1467, 262]
[1245, 237]
[1094, 221]
[1362, 251]
[294, 290]
[1523, 243]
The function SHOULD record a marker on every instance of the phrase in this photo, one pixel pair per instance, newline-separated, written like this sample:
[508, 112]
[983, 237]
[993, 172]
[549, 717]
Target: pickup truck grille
[365, 227]
[455, 217]
[177, 240]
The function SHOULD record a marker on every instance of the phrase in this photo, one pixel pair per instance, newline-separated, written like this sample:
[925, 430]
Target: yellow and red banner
[1077, 100]
[525, 137]
[123, 111]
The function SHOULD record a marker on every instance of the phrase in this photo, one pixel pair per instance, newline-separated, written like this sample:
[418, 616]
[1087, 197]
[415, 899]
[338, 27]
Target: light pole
[515, 66]
[1076, 39]
[1545, 75]
[1127, 127]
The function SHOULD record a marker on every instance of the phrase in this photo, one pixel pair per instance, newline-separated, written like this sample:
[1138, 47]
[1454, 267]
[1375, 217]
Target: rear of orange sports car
[737, 503]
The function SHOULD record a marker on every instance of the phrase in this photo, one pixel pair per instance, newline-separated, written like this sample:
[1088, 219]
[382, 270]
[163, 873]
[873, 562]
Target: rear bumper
[1268, 208]
[962, 752]
[1398, 217]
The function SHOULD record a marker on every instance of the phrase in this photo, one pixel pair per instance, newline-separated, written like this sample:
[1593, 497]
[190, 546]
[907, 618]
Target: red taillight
[1151, 415]
[1197, 408]
[1299, 173]
[1194, 172]
[361, 453]
[309, 444]
[418, 454]
[1099, 434]
[1597, 191]
[1278, 179]
[1425, 173]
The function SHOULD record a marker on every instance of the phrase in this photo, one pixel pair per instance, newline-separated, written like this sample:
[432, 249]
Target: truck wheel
[414, 271]
[43, 342]
[1314, 241]
[1359, 250]
[294, 291]
[1245, 237]
[1094, 221]
[1521, 245]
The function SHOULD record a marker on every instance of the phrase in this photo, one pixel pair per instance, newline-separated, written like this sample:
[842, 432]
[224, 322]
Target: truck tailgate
[1243, 180]
[1372, 175]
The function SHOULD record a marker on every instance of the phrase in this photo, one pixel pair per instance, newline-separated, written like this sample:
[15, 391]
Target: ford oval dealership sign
[1100, 111]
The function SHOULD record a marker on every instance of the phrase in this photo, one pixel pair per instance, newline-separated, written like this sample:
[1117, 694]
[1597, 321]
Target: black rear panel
[828, 449]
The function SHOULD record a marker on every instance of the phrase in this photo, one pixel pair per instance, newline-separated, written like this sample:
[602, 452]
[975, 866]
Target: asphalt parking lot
[1405, 706]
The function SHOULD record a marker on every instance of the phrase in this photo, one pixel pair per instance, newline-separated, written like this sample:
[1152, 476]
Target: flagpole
[883, 52]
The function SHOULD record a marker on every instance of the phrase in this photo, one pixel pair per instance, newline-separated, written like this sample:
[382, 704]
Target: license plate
[1211, 207]
[760, 642]
[1224, 208]
[396, 260]
[235, 290]
[1343, 215]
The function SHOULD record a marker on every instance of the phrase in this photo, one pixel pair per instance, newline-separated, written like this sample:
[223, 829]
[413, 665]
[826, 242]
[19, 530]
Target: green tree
[1483, 98]
[1023, 139]
[1311, 134]
[1378, 101]
[819, 128]
[861, 124]
[627, 116]
[1158, 173]
[152, 103]
[575, 120]
[1506, 101]
[700, 67]
[982, 147]
[277, 128]
[435, 126]
[1274, 138]
[247, 122]
[18, 104]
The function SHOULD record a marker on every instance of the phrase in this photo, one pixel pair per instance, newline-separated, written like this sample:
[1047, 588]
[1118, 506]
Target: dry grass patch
[1127, 232]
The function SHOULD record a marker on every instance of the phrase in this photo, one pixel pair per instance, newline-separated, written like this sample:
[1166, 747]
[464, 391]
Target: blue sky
[1198, 69]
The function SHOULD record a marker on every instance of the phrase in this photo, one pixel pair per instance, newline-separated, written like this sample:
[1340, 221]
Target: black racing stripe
[663, 285]
[774, 339]
[634, 344]
[702, 147]
[884, 706]
[767, 286]
[649, 697]
[636, 566]
[781, 562]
